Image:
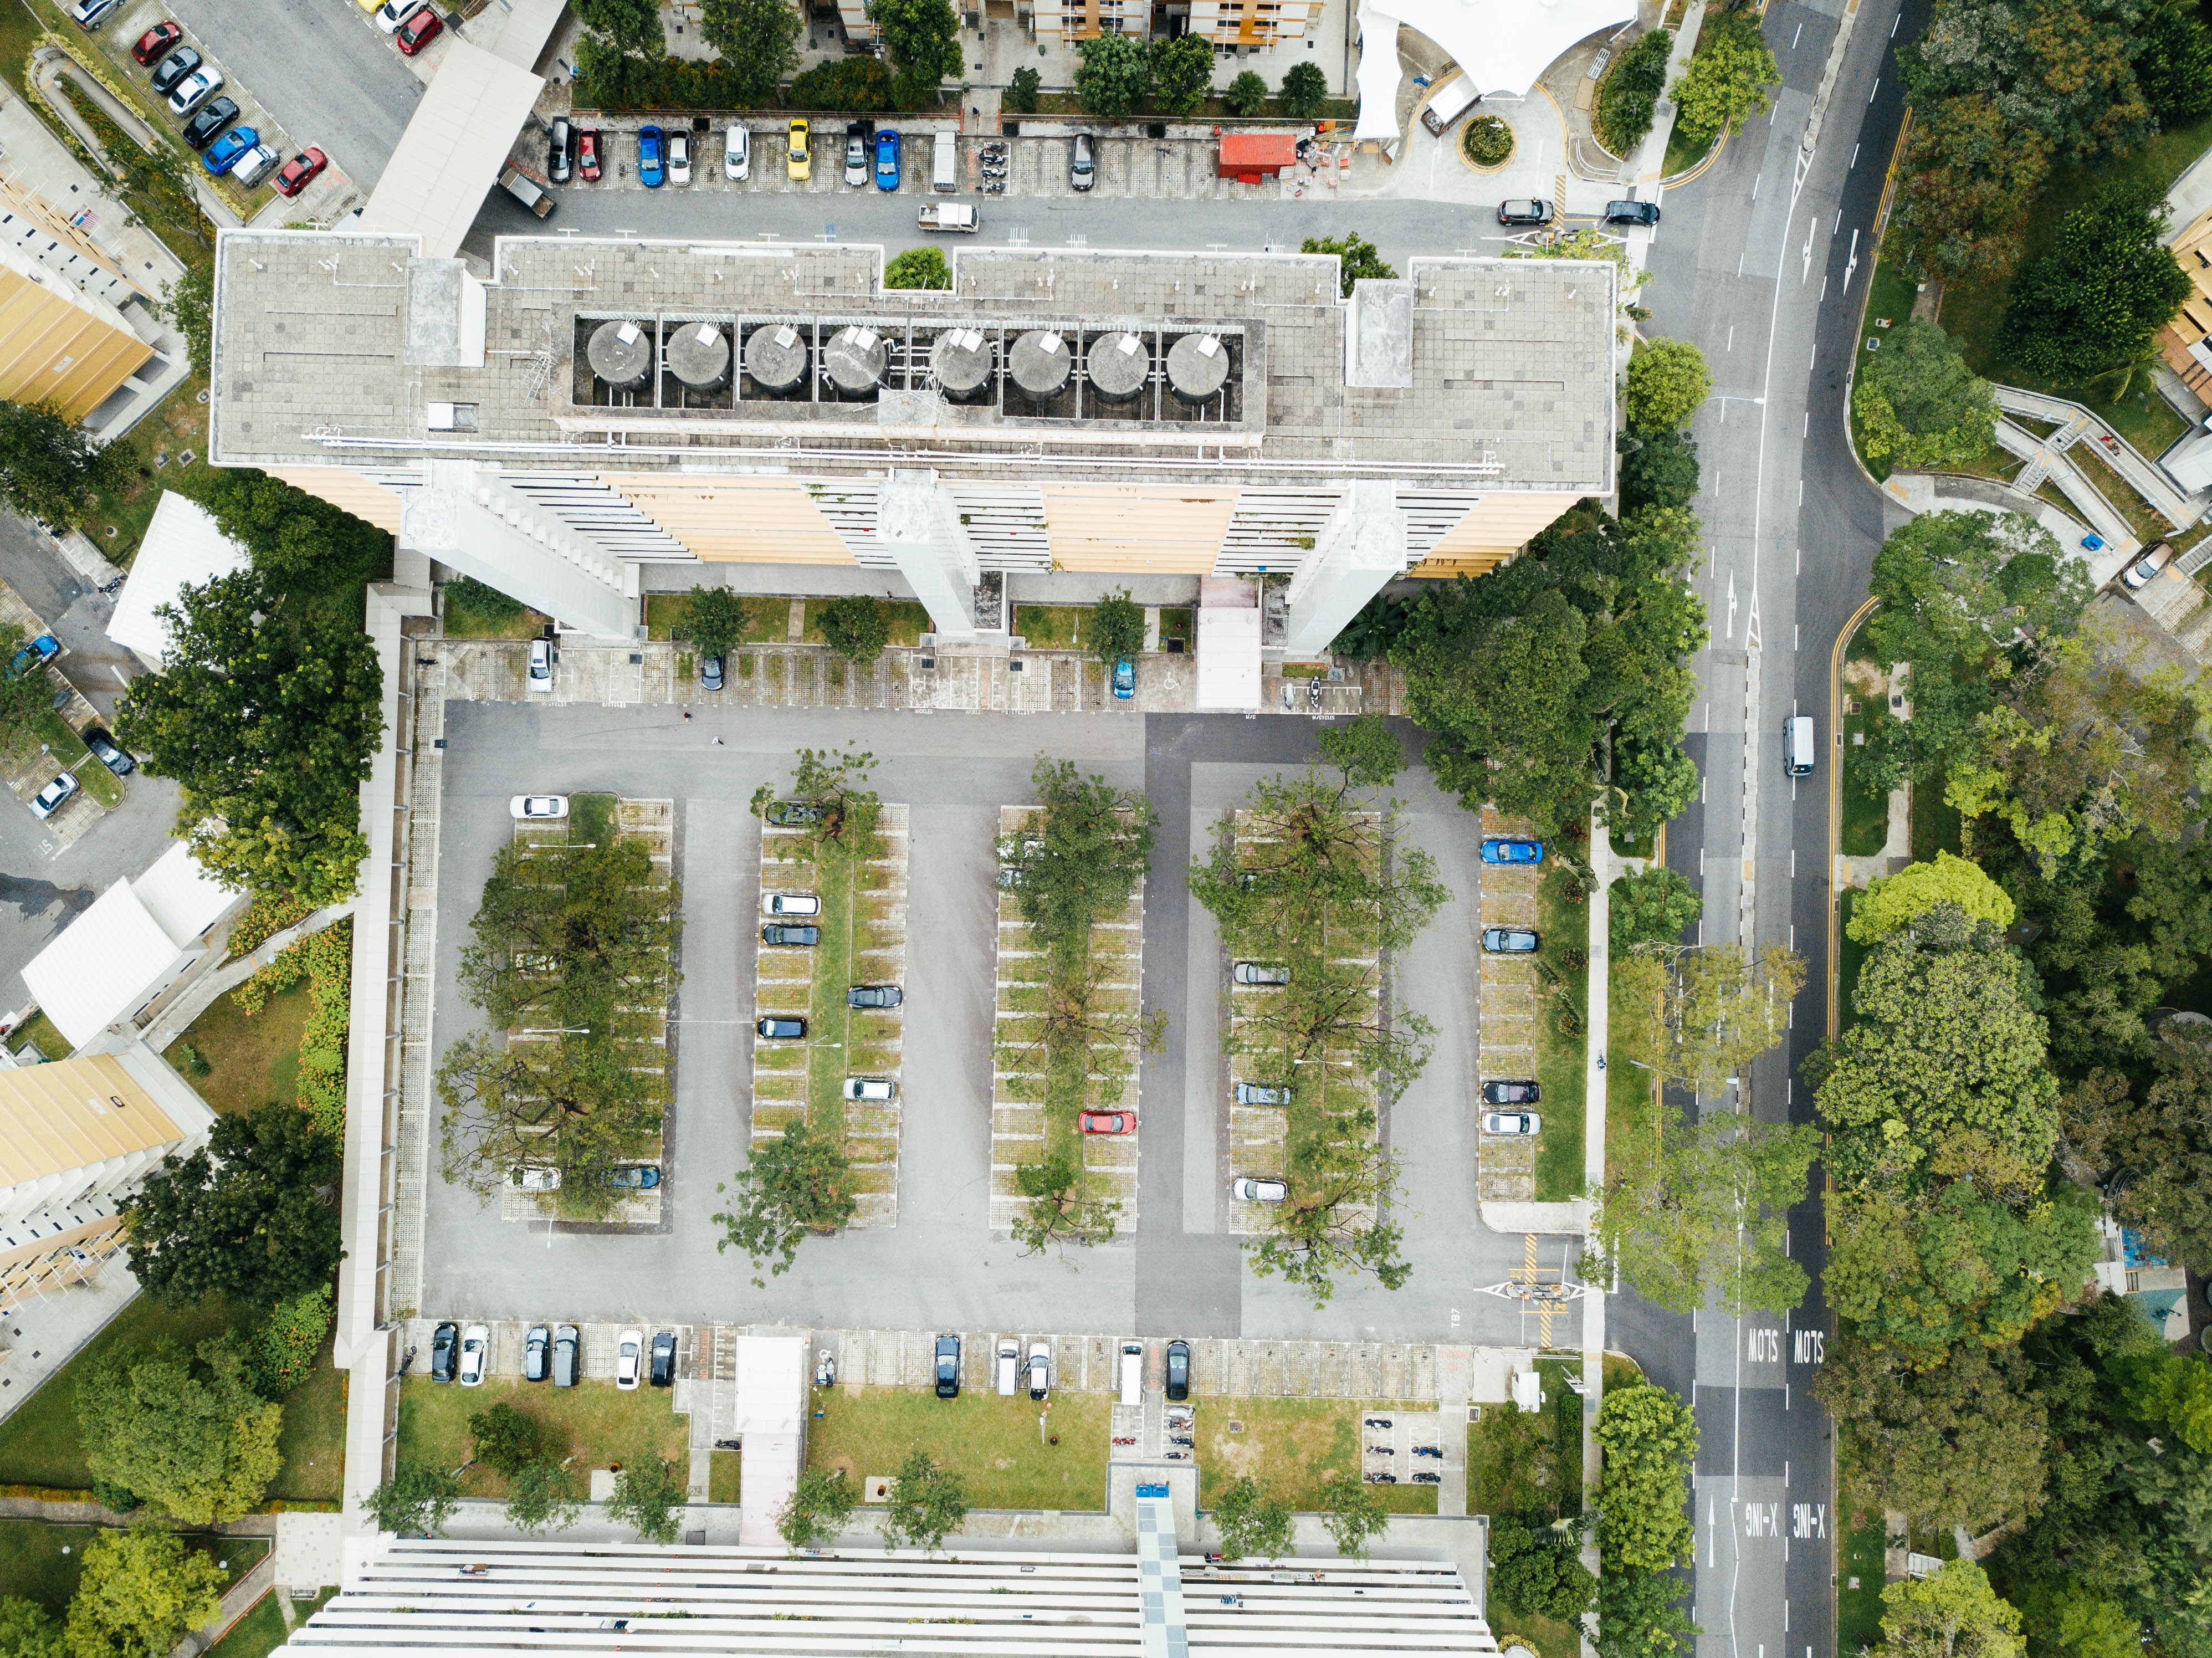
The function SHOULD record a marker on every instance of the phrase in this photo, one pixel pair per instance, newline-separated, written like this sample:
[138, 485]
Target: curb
[1677, 180]
[1459, 148]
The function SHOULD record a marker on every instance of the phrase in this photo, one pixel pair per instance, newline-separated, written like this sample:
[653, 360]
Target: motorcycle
[1377, 1422]
[1428, 1479]
[1380, 1450]
[406, 1361]
[1382, 1479]
[1429, 1450]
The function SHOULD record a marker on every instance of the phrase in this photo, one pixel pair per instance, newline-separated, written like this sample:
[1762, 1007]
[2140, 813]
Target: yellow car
[800, 164]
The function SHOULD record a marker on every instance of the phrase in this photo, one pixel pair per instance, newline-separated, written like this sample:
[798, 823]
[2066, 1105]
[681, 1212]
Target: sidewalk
[40, 1335]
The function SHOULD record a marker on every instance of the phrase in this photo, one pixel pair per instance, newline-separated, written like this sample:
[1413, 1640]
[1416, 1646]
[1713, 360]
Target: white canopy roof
[771, 1422]
[183, 548]
[1501, 46]
[453, 149]
[111, 959]
[1228, 658]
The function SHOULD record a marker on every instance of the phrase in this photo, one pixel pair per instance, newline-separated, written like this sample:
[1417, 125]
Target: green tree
[818, 1509]
[829, 801]
[302, 547]
[855, 626]
[1249, 1523]
[282, 1345]
[418, 1498]
[1649, 1440]
[1629, 96]
[923, 40]
[1668, 379]
[2174, 67]
[1353, 1512]
[1637, 1617]
[1117, 623]
[2062, 1615]
[2155, 1151]
[918, 267]
[1535, 1571]
[2107, 287]
[1304, 92]
[1658, 468]
[504, 1440]
[1964, 184]
[25, 695]
[1725, 84]
[1652, 906]
[2060, 70]
[1247, 94]
[1917, 402]
[28, 1630]
[1334, 1220]
[925, 1503]
[715, 618]
[1891, 901]
[1954, 1614]
[192, 1439]
[543, 1497]
[141, 1592]
[51, 468]
[1021, 93]
[1061, 1210]
[1959, 1444]
[244, 1217]
[1114, 77]
[632, 25]
[758, 42]
[1082, 854]
[1697, 1015]
[190, 302]
[1357, 258]
[1942, 581]
[649, 1495]
[581, 1107]
[267, 714]
[797, 1183]
[1181, 72]
[1366, 751]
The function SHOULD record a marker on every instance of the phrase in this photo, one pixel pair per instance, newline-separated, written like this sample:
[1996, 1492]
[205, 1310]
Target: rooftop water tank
[961, 362]
[699, 355]
[1198, 366]
[1117, 364]
[856, 359]
[621, 355]
[1040, 363]
[775, 358]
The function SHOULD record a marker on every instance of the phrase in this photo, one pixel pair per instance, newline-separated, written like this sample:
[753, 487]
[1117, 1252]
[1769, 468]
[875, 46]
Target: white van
[945, 161]
[1008, 1367]
[1133, 1373]
[1797, 750]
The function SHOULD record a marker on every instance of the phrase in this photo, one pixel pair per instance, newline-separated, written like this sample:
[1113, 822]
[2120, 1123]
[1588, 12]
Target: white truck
[945, 161]
[950, 215]
[1447, 106]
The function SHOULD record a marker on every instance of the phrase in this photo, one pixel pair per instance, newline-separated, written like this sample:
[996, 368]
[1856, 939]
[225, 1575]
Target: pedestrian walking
[687, 716]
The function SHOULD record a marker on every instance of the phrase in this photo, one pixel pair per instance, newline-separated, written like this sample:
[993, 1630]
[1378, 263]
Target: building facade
[2186, 342]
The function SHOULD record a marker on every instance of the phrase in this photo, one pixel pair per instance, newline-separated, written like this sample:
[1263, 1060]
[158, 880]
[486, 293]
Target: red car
[299, 172]
[587, 156]
[1107, 1122]
[418, 31]
[155, 42]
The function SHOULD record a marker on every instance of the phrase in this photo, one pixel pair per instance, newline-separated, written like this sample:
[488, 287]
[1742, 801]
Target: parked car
[887, 159]
[50, 797]
[630, 1358]
[710, 673]
[44, 648]
[93, 13]
[1259, 973]
[791, 934]
[536, 1177]
[155, 42]
[533, 808]
[204, 82]
[874, 996]
[1082, 162]
[173, 68]
[1631, 212]
[1006, 1369]
[200, 131]
[1510, 1091]
[392, 13]
[1259, 1189]
[1263, 1094]
[793, 814]
[2155, 559]
[1510, 940]
[560, 150]
[634, 1177]
[1511, 1124]
[651, 170]
[1178, 1371]
[587, 156]
[445, 1340]
[781, 1027]
[798, 163]
[948, 1367]
[476, 1355]
[1040, 1369]
[1512, 849]
[790, 903]
[301, 171]
[1125, 679]
[661, 1370]
[255, 165]
[679, 157]
[738, 153]
[224, 153]
[856, 155]
[567, 1345]
[104, 751]
[541, 664]
[426, 26]
[1107, 1122]
[1525, 210]
[538, 1354]
[871, 1087]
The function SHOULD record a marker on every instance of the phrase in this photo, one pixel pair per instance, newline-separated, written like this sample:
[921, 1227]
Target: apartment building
[601, 411]
[2186, 342]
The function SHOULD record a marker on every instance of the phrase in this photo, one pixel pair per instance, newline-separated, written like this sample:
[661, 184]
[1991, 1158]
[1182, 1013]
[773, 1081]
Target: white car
[871, 1087]
[541, 664]
[737, 158]
[2155, 559]
[392, 13]
[1511, 1124]
[196, 87]
[790, 903]
[1040, 1369]
[856, 158]
[539, 807]
[629, 1349]
[535, 1177]
[476, 1355]
[51, 797]
[1009, 1366]
[679, 158]
[1252, 1189]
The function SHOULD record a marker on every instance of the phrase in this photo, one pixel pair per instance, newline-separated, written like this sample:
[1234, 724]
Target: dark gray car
[567, 1355]
[874, 996]
[536, 1353]
[1631, 212]
[948, 1367]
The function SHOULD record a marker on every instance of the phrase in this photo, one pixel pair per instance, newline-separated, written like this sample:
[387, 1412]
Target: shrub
[1246, 94]
[1626, 101]
[1021, 94]
[849, 83]
[855, 627]
[1488, 140]
[485, 601]
[281, 1349]
[918, 267]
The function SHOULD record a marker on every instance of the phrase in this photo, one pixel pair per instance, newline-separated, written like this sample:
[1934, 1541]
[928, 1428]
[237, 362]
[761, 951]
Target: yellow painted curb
[1459, 148]
[1698, 170]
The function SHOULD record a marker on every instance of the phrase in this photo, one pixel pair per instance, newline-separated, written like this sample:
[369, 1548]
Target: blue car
[1125, 679]
[226, 152]
[887, 169]
[1512, 851]
[44, 648]
[651, 153]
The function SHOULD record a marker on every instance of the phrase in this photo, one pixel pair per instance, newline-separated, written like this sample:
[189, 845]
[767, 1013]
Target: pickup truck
[527, 191]
[950, 215]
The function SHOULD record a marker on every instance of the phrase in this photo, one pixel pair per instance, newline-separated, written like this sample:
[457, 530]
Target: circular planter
[1486, 145]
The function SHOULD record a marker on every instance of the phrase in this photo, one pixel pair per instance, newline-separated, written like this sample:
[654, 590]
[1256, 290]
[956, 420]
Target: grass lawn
[1864, 829]
[595, 1421]
[1631, 1103]
[257, 1635]
[468, 617]
[42, 1562]
[909, 620]
[312, 1439]
[1531, 1463]
[1682, 155]
[1936, 825]
[1859, 1582]
[2148, 525]
[723, 1469]
[992, 1443]
[159, 443]
[1549, 1637]
[767, 619]
[1052, 626]
[1176, 624]
[41, 1030]
[1293, 1449]
[252, 1058]
[1561, 1053]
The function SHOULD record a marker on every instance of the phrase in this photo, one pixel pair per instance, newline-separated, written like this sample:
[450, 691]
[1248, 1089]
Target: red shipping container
[1255, 155]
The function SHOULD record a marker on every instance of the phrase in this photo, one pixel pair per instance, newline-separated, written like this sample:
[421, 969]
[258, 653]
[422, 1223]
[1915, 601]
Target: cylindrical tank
[775, 358]
[961, 362]
[1040, 363]
[855, 358]
[1198, 364]
[1117, 364]
[699, 355]
[621, 355]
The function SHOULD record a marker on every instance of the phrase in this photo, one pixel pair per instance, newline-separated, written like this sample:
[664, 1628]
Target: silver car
[1082, 162]
[1249, 1189]
[1510, 1125]
[51, 797]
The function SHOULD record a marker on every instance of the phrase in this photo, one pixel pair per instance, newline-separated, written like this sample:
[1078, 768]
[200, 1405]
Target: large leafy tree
[1304, 92]
[797, 1183]
[1956, 1614]
[1725, 84]
[715, 618]
[2107, 287]
[923, 40]
[1964, 185]
[141, 1592]
[2062, 69]
[1114, 77]
[1637, 1617]
[649, 1495]
[579, 1106]
[817, 1509]
[926, 1503]
[543, 1497]
[267, 714]
[1917, 402]
[2174, 66]
[25, 693]
[856, 626]
[1252, 1522]
[829, 802]
[1358, 259]
[1697, 1015]
[1657, 469]
[757, 41]
[1117, 627]
[1062, 1208]
[1333, 1221]
[1649, 1439]
[1353, 1512]
[1668, 379]
[51, 467]
[1533, 1569]
[301, 546]
[1082, 854]
[1653, 906]
[419, 1497]
[242, 1219]
[191, 1439]
[1891, 901]
[1183, 73]
[2155, 1145]
[27, 1630]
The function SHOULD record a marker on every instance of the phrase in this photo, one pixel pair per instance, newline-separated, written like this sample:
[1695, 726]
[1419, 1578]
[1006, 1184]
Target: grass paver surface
[252, 1058]
[992, 1443]
[1293, 1450]
[595, 1421]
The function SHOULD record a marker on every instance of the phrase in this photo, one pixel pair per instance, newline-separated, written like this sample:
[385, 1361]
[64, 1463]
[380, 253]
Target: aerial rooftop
[347, 349]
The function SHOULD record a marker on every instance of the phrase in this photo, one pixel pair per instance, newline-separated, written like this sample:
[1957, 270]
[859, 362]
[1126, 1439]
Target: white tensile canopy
[1502, 46]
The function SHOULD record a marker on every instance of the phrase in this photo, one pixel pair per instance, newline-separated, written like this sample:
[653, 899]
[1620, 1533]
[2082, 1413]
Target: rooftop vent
[621, 355]
[1117, 367]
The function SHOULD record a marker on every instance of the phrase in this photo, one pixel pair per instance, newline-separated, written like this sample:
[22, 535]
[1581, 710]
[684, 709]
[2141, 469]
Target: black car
[948, 1367]
[784, 1028]
[566, 1342]
[874, 996]
[104, 751]
[538, 1354]
[1178, 1369]
[176, 65]
[710, 673]
[1515, 1092]
[1526, 209]
[200, 130]
[790, 932]
[1631, 212]
[444, 1345]
[663, 1372]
